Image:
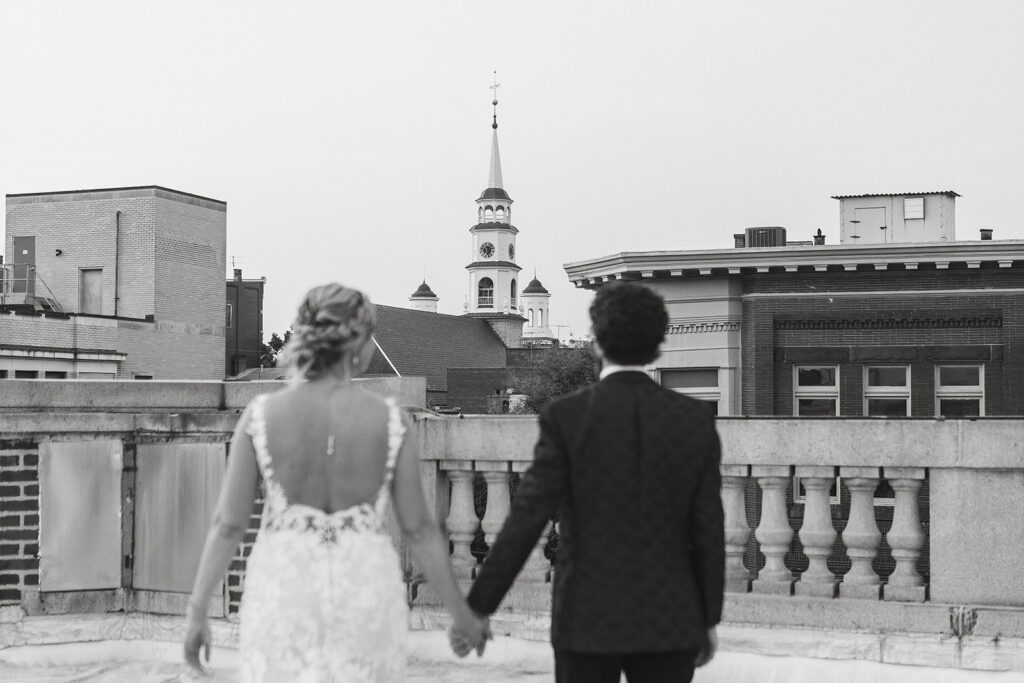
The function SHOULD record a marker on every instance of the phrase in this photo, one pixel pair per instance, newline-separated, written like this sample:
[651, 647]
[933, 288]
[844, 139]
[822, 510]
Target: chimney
[819, 239]
[238, 273]
[986, 233]
[741, 240]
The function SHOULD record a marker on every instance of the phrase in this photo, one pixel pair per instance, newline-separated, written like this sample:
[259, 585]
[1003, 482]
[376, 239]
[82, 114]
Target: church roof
[423, 344]
[423, 292]
[495, 193]
[535, 287]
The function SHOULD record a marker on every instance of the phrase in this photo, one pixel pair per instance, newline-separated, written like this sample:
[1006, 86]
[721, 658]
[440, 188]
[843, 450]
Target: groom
[632, 471]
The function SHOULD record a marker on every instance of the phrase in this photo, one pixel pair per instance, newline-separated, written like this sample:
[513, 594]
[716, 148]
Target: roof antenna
[494, 102]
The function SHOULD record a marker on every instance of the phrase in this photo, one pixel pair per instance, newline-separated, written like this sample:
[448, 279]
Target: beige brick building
[124, 282]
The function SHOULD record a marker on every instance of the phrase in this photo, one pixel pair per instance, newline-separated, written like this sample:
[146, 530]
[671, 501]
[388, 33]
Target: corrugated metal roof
[948, 193]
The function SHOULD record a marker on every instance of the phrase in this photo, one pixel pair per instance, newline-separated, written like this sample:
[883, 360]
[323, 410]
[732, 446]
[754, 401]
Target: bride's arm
[230, 520]
[429, 547]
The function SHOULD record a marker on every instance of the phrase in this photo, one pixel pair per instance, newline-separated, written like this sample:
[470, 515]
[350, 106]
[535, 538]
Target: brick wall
[919, 318]
[84, 226]
[190, 260]
[19, 521]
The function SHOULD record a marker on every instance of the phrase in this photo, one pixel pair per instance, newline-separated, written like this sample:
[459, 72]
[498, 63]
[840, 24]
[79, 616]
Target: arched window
[488, 214]
[485, 293]
[529, 316]
[480, 215]
[499, 214]
[512, 293]
[540, 317]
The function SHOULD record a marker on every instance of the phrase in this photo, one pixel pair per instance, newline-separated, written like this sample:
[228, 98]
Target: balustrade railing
[810, 530]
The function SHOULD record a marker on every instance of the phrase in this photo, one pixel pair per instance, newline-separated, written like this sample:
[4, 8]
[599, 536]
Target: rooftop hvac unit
[766, 237]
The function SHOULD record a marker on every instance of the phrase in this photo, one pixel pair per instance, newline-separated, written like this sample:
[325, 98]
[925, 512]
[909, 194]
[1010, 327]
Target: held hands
[197, 637]
[468, 632]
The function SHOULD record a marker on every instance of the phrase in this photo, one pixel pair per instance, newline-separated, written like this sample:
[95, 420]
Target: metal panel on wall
[80, 515]
[176, 489]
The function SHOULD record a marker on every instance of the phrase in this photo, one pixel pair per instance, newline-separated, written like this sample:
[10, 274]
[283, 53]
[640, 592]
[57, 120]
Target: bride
[324, 598]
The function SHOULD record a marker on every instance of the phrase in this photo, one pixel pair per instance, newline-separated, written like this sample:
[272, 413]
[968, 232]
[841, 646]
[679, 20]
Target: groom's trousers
[654, 667]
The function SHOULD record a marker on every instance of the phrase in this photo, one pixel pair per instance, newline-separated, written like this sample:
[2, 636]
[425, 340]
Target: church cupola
[423, 299]
[535, 302]
[493, 273]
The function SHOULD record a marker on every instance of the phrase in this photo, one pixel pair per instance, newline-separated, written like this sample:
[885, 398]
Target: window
[227, 317]
[55, 374]
[3, 374]
[529, 316]
[913, 207]
[887, 391]
[141, 376]
[698, 383]
[90, 291]
[26, 374]
[485, 293]
[959, 391]
[816, 390]
[512, 291]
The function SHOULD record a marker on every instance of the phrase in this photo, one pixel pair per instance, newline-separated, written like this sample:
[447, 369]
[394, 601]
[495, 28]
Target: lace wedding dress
[324, 598]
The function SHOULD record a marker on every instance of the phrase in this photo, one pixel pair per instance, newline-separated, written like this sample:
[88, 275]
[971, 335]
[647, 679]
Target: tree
[272, 348]
[555, 372]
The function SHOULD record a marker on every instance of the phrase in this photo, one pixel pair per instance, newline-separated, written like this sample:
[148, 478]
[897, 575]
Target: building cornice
[508, 265]
[109, 192]
[495, 226]
[822, 258]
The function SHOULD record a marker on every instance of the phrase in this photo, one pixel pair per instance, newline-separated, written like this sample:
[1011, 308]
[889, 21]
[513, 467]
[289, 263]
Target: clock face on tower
[487, 250]
[511, 252]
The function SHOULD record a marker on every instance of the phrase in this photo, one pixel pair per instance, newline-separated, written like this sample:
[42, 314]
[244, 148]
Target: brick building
[113, 283]
[898, 319]
[243, 324]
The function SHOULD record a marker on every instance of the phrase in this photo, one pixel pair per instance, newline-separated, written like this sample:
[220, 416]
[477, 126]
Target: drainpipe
[117, 240]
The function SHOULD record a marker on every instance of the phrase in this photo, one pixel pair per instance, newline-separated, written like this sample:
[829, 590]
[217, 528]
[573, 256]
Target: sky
[350, 140]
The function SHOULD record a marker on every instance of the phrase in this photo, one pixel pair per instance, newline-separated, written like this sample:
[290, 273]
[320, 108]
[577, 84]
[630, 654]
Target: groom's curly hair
[629, 322]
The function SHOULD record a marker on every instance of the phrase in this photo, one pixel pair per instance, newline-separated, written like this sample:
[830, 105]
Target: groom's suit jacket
[632, 471]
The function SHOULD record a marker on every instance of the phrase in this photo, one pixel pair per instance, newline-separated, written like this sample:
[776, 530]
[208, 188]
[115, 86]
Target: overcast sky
[350, 139]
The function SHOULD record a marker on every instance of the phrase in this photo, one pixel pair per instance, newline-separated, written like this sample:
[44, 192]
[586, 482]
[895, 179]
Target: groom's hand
[464, 638]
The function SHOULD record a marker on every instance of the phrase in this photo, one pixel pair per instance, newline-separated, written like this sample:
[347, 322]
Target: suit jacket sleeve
[707, 532]
[541, 491]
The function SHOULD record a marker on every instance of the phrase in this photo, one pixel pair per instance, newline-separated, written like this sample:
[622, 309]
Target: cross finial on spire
[494, 86]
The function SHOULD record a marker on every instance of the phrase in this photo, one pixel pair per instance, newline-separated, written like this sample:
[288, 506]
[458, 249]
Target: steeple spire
[494, 179]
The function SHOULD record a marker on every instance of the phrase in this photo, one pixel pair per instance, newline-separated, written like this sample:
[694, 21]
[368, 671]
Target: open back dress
[324, 598]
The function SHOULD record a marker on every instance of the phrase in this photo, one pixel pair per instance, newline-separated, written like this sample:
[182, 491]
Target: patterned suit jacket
[632, 471]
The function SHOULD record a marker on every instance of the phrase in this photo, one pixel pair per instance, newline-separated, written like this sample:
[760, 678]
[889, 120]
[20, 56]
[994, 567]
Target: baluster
[462, 521]
[817, 533]
[734, 477]
[773, 533]
[906, 537]
[861, 535]
[498, 500]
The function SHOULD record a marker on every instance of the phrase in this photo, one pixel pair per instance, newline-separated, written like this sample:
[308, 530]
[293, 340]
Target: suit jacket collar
[628, 377]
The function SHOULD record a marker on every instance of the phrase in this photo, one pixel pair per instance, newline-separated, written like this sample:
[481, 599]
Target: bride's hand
[197, 637]
[469, 631]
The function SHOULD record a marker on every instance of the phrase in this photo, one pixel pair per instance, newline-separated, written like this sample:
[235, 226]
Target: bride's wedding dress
[324, 598]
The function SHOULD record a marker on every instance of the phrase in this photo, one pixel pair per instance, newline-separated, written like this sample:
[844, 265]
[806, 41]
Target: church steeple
[493, 272]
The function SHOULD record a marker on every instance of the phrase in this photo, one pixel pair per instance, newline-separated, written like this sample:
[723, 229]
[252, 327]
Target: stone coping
[969, 652]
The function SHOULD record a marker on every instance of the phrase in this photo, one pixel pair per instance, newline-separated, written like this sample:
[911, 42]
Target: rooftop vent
[774, 236]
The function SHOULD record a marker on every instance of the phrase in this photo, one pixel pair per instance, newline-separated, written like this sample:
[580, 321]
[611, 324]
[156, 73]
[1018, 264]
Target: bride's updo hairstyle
[333, 322]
